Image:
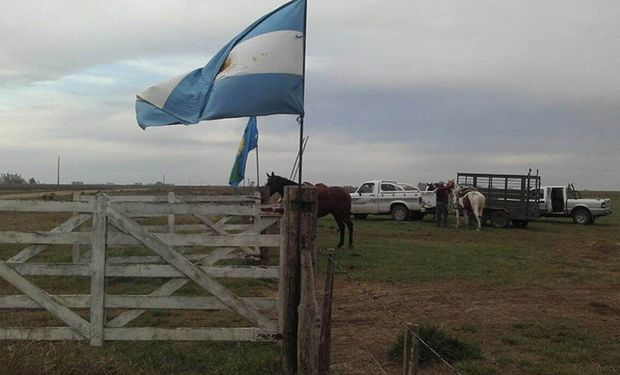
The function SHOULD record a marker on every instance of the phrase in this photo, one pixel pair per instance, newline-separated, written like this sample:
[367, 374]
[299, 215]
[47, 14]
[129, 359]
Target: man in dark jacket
[442, 194]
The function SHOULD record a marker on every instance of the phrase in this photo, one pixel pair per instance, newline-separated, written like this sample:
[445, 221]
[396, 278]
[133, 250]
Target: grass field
[541, 300]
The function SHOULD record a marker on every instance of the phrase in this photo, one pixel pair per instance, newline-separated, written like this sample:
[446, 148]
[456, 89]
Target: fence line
[389, 312]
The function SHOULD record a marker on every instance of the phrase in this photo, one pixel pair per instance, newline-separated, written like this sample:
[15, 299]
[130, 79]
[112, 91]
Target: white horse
[472, 200]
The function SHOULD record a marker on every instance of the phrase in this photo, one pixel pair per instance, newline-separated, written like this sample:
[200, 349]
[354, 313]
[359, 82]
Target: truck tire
[399, 212]
[500, 219]
[520, 223]
[582, 216]
[360, 216]
[416, 216]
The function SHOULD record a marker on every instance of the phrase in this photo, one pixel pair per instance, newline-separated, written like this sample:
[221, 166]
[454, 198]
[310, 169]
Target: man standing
[442, 194]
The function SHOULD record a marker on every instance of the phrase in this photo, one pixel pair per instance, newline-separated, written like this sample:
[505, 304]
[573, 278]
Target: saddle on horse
[465, 190]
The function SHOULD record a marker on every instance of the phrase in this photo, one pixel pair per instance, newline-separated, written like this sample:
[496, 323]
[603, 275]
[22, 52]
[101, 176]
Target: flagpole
[295, 166]
[303, 95]
[257, 170]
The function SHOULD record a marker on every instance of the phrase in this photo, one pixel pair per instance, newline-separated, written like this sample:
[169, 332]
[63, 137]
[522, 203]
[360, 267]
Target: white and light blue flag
[258, 73]
[249, 142]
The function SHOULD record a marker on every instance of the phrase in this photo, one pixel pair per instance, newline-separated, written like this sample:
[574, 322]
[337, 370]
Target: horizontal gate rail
[142, 270]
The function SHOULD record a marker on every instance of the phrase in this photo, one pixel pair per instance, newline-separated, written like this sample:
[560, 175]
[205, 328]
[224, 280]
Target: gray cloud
[396, 89]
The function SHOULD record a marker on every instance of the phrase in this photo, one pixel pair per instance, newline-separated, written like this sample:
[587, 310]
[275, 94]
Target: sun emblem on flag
[228, 66]
[241, 145]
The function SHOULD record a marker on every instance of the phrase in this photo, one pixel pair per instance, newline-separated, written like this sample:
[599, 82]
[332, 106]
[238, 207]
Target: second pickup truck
[385, 197]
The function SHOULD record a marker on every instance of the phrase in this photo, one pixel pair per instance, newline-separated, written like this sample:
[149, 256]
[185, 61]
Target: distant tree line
[15, 179]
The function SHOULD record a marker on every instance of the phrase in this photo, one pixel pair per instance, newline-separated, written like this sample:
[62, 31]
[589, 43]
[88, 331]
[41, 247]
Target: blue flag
[259, 72]
[249, 141]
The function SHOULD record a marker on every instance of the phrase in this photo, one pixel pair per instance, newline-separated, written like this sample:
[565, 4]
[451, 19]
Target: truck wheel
[360, 216]
[416, 216]
[520, 223]
[500, 219]
[399, 212]
[582, 216]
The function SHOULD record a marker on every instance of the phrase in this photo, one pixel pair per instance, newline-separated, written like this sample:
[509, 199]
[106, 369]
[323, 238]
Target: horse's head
[276, 184]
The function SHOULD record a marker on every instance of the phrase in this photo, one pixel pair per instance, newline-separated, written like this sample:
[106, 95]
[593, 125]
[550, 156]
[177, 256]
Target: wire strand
[352, 330]
[388, 311]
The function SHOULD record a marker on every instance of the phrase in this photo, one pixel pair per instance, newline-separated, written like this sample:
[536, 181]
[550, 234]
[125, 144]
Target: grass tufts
[451, 348]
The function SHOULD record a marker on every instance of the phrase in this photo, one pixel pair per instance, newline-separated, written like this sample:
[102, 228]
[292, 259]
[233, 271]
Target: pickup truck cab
[565, 201]
[402, 201]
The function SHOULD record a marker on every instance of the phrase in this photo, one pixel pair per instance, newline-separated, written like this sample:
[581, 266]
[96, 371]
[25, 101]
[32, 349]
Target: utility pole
[58, 173]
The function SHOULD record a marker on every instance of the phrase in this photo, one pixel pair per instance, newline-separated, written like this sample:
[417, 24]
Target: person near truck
[442, 194]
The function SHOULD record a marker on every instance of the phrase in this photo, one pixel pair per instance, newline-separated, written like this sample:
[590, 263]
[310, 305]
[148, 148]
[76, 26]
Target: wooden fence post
[97, 269]
[407, 350]
[298, 214]
[75, 255]
[416, 349]
[326, 317]
[171, 199]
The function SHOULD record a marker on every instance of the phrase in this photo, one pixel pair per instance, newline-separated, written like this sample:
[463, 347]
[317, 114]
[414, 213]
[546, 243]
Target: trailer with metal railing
[509, 198]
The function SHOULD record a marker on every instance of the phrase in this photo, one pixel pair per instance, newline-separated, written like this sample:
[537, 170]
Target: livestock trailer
[509, 197]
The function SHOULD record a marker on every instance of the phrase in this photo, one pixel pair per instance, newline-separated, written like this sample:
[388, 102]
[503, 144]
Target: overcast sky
[408, 90]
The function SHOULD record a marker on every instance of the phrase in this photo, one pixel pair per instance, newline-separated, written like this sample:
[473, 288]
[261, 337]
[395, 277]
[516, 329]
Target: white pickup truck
[402, 201]
[565, 201]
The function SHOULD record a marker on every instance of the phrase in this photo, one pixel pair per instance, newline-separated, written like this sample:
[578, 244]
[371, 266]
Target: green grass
[560, 347]
[139, 358]
[420, 252]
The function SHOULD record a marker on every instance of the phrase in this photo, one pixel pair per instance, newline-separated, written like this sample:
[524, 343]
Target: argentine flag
[259, 72]
[249, 142]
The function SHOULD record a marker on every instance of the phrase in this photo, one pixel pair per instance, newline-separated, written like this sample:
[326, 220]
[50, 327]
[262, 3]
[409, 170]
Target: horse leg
[349, 224]
[466, 216]
[456, 211]
[479, 211]
[341, 228]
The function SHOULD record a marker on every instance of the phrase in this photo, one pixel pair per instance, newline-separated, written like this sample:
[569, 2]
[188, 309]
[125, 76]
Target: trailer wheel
[582, 216]
[360, 216]
[500, 219]
[399, 212]
[520, 223]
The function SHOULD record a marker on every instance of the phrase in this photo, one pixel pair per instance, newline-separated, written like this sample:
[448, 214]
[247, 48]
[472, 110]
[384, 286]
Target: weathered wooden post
[416, 349]
[75, 254]
[97, 270]
[407, 350]
[171, 199]
[263, 197]
[297, 326]
[326, 317]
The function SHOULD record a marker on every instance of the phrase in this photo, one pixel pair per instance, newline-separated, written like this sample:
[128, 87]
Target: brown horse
[332, 200]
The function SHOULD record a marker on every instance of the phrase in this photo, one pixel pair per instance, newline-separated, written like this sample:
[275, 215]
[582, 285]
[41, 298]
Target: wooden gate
[223, 228]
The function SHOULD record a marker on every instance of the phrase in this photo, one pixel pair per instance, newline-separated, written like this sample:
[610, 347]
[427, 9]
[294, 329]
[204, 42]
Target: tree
[12, 179]
[33, 181]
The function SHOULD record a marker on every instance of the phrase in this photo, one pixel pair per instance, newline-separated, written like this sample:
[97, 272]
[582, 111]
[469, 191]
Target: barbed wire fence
[390, 313]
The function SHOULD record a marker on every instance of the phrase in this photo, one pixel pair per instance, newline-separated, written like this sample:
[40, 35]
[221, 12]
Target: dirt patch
[362, 324]
[593, 250]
